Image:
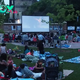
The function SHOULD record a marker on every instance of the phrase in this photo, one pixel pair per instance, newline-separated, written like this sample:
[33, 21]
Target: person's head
[3, 56]
[31, 52]
[22, 66]
[9, 57]
[26, 47]
[3, 44]
[40, 62]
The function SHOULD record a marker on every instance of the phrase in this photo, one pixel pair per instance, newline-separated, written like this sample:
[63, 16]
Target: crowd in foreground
[9, 70]
[8, 67]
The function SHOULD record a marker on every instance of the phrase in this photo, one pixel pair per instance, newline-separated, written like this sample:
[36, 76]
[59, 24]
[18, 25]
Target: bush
[1, 31]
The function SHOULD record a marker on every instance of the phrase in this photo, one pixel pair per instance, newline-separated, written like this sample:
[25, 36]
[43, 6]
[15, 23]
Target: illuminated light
[18, 21]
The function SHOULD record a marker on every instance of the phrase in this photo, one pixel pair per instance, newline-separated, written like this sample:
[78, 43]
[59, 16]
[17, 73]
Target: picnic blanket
[31, 58]
[67, 72]
[22, 79]
[63, 46]
[73, 60]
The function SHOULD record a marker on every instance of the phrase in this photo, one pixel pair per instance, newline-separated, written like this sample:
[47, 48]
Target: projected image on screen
[35, 23]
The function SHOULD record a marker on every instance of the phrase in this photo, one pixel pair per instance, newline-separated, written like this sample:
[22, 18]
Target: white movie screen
[35, 23]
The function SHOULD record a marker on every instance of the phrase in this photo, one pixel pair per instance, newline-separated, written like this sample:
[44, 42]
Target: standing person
[40, 47]
[55, 38]
[41, 37]
[25, 38]
[3, 48]
[13, 37]
[70, 37]
[49, 40]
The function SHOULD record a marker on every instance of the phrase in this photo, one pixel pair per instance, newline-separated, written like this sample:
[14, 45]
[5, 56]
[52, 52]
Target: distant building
[14, 23]
[19, 6]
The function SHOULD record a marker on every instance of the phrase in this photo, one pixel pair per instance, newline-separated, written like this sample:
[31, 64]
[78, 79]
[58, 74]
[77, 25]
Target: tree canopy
[58, 10]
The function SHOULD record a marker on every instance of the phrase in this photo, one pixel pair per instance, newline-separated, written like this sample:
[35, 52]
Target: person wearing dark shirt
[10, 73]
[40, 47]
[38, 67]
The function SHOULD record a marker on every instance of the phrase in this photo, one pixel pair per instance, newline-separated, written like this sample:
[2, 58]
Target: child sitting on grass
[10, 61]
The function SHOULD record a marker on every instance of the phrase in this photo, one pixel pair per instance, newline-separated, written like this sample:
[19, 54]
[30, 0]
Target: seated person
[29, 56]
[26, 50]
[38, 67]
[25, 71]
[10, 73]
[30, 53]
[3, 62]
[10, 61]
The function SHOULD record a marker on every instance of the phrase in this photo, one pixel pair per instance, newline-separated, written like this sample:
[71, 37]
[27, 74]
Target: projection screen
[35, 23]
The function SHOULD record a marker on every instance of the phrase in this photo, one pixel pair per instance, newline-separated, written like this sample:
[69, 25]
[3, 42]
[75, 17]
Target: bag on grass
[16, 48]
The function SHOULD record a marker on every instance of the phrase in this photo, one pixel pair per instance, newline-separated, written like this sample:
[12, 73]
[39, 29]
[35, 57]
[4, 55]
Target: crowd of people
[7, 67]
[49, 39]
[9, 70]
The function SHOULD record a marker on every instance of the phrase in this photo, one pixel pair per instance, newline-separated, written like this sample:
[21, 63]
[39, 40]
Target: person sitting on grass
[30, 53]
[26, 73]
[3, 62]
[26, 50]
[30, 57]
[38, 67]
[10, 72]
[10, 61]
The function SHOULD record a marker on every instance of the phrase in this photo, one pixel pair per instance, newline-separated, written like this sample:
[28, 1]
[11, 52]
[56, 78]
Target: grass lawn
[67, 53]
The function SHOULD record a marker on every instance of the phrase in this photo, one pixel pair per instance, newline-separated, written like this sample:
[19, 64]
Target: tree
[39, 8]
[75, 3]
[63, 12]
[58, 10]
[1, 14]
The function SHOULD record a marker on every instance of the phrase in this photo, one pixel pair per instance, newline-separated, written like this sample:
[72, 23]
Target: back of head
[3, 56]
[31, 50]
[26, 47]
[22, 66]
[3, 44]
[40, 61]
